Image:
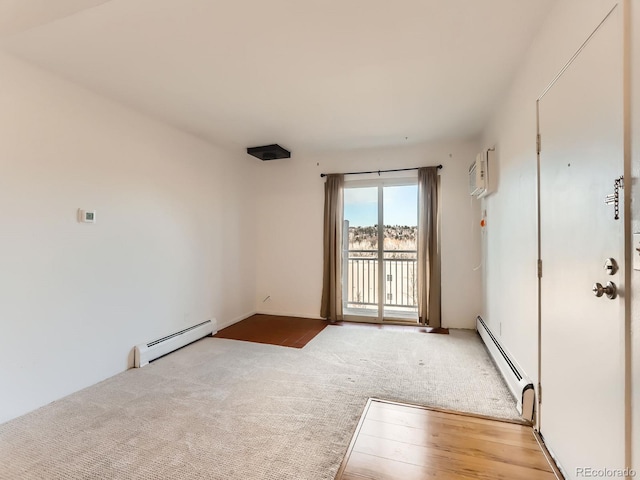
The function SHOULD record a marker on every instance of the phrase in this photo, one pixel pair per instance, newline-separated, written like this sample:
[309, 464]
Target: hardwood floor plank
[404, 442]
[448, 461]
[453, 422]
[434, 412]
[527, 455]
[363, 466]
[456, 430]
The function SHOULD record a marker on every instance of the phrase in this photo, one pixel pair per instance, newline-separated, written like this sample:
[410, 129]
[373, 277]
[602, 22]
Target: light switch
[636, 251]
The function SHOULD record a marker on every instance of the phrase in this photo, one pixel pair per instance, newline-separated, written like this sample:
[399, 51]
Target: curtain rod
[380, 171]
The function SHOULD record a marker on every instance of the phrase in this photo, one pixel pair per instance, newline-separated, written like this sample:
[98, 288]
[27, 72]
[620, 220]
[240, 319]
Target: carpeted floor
[225, 409]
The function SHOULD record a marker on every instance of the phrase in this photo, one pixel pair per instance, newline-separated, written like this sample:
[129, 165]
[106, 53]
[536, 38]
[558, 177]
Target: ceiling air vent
[269, 152]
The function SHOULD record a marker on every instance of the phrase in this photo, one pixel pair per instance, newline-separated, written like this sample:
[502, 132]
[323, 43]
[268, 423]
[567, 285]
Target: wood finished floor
[403, 442]
[297, 332]
[274, 330]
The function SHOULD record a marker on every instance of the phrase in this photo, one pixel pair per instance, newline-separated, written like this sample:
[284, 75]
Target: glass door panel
[400, 248]
[361, 271]
[380, 252]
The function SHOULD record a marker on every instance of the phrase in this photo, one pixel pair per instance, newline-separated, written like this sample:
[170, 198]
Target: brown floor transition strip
[274, 330]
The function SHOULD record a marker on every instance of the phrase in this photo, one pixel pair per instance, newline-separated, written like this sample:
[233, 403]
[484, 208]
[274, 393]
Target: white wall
[174, 242]
[289, 221]
[510, 279]
[509, 282]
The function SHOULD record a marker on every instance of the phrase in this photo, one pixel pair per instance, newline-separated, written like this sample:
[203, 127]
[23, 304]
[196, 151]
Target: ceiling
[20, 15]
[308, 74]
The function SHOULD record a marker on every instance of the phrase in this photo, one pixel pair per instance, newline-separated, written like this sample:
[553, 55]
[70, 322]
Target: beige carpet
[225, 409]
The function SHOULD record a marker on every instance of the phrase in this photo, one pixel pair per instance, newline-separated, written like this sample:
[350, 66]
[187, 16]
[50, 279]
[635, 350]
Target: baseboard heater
[521, 387]
[147, 352]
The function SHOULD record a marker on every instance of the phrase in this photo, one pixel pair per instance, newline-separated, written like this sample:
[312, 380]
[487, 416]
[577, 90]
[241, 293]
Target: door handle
[610, 290]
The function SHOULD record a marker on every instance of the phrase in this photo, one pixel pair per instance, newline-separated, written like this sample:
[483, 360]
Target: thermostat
[86, 216]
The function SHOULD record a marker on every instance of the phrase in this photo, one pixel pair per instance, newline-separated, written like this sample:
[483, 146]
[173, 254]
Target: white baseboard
[244, 316]
[289, 314]
[228, 323]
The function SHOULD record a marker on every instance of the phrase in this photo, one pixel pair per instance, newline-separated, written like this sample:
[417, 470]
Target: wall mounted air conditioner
[478, 176]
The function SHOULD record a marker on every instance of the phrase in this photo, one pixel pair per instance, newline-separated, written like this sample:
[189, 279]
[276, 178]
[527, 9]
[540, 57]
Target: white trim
[391, 314]
[385, 182]
[553, 456]
[289, 314]
[235, 320]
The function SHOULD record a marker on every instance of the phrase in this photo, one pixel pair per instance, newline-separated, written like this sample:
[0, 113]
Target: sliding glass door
[380, 251]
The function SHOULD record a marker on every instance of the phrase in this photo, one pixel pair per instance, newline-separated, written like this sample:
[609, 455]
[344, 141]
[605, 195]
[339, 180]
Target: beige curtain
[331, 307]
[428, 247]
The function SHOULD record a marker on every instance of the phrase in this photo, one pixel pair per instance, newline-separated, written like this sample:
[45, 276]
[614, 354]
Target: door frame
[380, 183]
[627, 246]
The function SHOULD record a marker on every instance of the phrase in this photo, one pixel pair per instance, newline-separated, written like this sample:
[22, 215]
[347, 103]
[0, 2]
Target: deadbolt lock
[609, 290]
[611, 266]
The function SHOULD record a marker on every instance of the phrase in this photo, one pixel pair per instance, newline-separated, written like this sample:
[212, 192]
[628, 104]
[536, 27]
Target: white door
[582, 336]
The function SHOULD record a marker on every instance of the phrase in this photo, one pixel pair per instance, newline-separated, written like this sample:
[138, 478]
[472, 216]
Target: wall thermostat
[86, 216]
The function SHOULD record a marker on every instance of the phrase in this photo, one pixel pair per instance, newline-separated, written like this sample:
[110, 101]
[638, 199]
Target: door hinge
[539, 393]
[539, 268]
[538, 143]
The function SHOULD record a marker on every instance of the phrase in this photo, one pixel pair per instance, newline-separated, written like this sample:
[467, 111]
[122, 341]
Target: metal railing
[400, 276]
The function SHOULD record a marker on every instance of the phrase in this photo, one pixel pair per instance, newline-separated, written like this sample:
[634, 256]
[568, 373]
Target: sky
[400, 205]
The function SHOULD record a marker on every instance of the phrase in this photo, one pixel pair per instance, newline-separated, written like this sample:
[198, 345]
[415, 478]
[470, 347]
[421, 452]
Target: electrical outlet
[636, 251]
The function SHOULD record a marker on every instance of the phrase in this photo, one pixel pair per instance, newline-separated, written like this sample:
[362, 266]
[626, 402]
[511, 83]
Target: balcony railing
[400, 276]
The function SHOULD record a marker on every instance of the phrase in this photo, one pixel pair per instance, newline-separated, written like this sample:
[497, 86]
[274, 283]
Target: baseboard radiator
[521, 387]
[147, 352]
